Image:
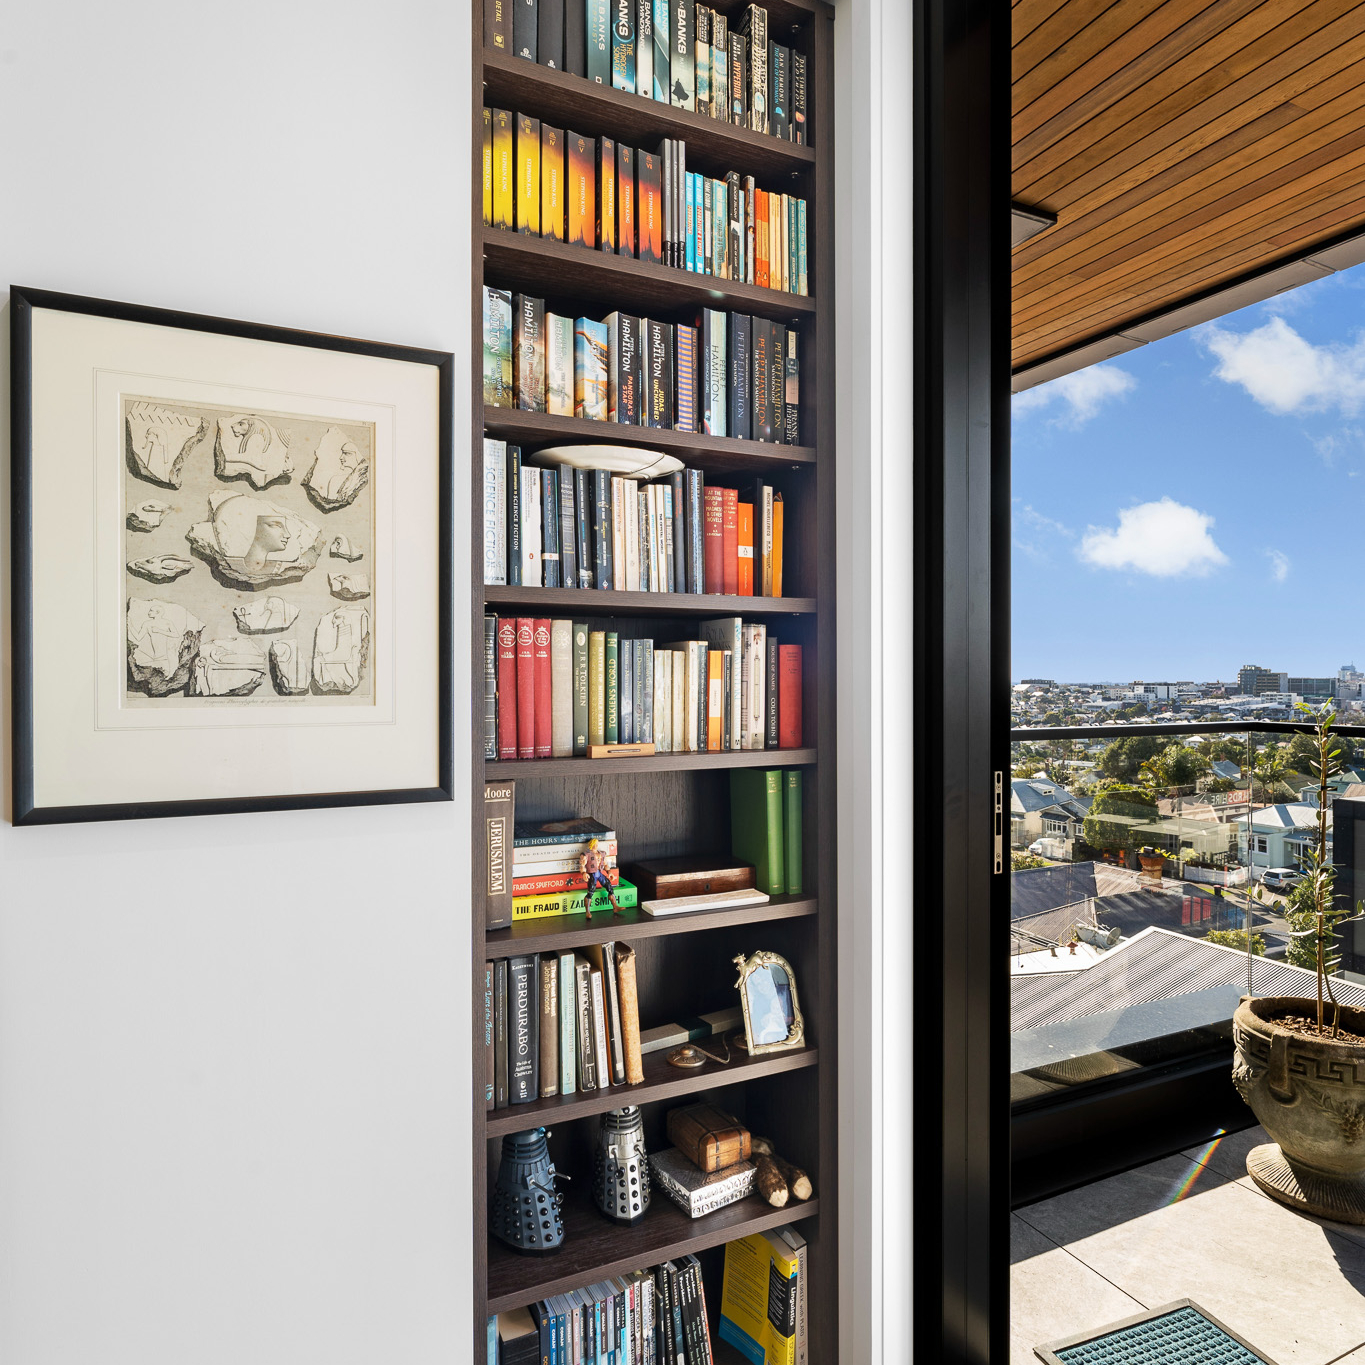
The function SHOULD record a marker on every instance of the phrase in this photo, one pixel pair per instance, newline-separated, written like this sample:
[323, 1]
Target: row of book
[674, 52]
[729, 375]
[660, 1317]
[598, 193]
[567, 527]
[555, 689]
[766, 821]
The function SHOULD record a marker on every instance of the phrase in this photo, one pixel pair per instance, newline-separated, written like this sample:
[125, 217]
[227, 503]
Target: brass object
[767, 995]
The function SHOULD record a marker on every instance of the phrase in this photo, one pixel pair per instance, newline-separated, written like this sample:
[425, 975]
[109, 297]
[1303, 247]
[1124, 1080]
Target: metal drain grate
[1178, 1333]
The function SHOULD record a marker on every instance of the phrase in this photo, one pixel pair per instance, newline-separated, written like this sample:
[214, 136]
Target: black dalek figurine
[526, 1205]
[620, 1170]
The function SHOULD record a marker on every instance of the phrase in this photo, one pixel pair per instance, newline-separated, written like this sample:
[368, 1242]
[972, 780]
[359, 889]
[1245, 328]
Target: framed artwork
[231, 565]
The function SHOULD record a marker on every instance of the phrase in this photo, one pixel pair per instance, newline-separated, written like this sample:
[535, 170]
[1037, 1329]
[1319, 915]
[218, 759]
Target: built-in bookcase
[673, 803]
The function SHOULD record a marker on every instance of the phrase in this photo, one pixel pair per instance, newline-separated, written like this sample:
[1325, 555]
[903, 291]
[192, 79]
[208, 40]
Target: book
[644, 48]
[717, 702]
[499, 809]
[504, 167]
[761, 340]
[726, 634]
[497, 348]
[525, 29]
[547, 1054]
[523, 1029]
[659, 363]
[494, 511]
[791, 830]
[779, 106]
[526, 908]
[663, 50]
[583, 542]
[739, 79]
[598, 28]
[685, 378]
[580, 688]
[552, 204]
[601, 1053]
[580, 188]
[798, 1244]
[771, 698]
[549, 528]
[715, 375]
[597, 687]
[630, 1014]
[487, 167]
[663, 694]
[561, 690]
[754, 26]
[623, 45]
[753, 685]
[677, 484]
[777, 379]
[526, 688]
[739, 413]
[527, 195]
[514, 546]
[800, 131]
[550, 33]
[507, 687]
[552, 884]
[682, 58]
[518, 1336]
[528, 369]
[606, 186]
[737, 899]
[702, 61]
[744, 548]
[497, 25]
[792, 391]
[720, 67]
[575, 38]
[729, 528]
[559, 376]
[756, 825]
[529, 503]
[650, 201]
[713, 521]
[500, 1091]
[489, 1029]
[623, 369]
[611, 683]
[758, 1297]
[568, 1026]
[587, 1051]
[696, 549]
[602, 529]
[490, 687]
[625, 733]
[590, 369]
[625, 193]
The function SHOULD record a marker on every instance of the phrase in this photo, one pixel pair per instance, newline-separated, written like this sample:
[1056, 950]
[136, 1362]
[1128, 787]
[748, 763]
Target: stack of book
[547, 876]
[570, 527]
[765, 827]
[555, 689]
[648, 1317]
[674, 52]
[730, 375]
[598, 193]
[555, 1024]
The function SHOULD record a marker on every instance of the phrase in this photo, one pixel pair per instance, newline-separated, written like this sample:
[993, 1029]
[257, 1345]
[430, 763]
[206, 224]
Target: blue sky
[1173, 506]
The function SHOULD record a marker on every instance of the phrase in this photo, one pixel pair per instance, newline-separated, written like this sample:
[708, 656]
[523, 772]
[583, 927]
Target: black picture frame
[23, 302]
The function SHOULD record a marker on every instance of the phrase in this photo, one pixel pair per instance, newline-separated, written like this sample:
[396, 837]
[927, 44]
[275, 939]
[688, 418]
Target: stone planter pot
[1309, 1094]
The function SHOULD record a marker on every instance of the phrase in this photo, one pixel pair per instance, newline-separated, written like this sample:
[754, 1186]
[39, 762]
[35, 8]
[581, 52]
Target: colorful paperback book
[488, 168]
[644, 48]
[663, 50]
[572, 903]
[625, 200]
[559, 380]
[599, 41]
[504, 169]
[528, 174]
[590, 369]
[623, 45]
[581, 187]
[552, 220]
[494, 511]
[528, 355]
[682, 59]
[497, 348]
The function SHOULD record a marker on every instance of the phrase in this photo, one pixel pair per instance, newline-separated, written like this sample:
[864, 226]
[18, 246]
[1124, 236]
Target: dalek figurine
[526, 1205]
[620, 1172]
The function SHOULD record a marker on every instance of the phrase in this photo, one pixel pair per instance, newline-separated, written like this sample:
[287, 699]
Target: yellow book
[572, 903]
[528, 175]
[488, 168]
[503, 171]
[552, 184]
[777, 544]
[758, 1299]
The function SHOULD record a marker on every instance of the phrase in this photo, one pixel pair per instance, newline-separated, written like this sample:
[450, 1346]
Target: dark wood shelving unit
[674, 803]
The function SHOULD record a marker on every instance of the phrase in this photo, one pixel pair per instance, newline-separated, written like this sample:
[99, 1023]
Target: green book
[756, 825]
[613, 700]
[568, 1030]
[580, 689]
[597, 687]
[792, 828]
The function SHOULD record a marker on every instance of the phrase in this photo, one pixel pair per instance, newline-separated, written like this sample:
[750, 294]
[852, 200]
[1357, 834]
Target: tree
[1237, 938]
[1229, 749]
[1301, 754]
[1022, 862]
[1123, 759]
[1120, 799]
[1177, 765]
[1269, 770]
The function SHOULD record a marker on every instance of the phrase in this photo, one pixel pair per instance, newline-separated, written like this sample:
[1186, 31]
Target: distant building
[1255, 681]
[1037, 682]
[1313, 689]
[1040, 808]
[1281, 835]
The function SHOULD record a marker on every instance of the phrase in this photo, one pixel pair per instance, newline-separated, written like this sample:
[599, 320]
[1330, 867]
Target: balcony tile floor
[1189, 1226]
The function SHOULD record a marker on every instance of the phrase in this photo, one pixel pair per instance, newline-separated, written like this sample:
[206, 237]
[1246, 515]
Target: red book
[507, 687]
[552, 884]
[713, 525]
[542, 703]
[526, 687]
[729, 531]
[789, 696]
[744, 549]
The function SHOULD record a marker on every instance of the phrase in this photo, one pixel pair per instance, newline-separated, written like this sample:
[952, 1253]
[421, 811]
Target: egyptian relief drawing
[249, 556]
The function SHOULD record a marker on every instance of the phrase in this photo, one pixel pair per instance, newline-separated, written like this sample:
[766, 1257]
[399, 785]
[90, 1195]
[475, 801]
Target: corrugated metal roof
[1155, 965]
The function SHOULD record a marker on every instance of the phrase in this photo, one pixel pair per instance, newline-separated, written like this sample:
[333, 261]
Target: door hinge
[999, 822]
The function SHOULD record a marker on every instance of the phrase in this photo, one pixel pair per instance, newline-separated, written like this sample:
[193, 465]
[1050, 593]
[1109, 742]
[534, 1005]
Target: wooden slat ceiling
[1181, 144]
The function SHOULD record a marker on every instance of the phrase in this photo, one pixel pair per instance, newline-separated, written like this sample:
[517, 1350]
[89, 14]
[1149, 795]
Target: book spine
[625, 191]
[778, 507]
[599, 1030]
[568, 1032]
[601, 528]
[749, 227]
[741, 368]
[717, 700]
[761, 334]
[666, 161]
[575, 38]
[610, 988]
[549, 528]
[623, 45]
[791, 396]
[692, 549]
[494, 511]
[720, 67]
[598, 25]
[716, 326]
[744, 549]
[682, 60]
[701, 60]
[530, 908]
[606, 184]
[758, 679]
[701, 693]
[550, 34]
[527, 207]
[543, 679]
[792, 833]
[789, 696]
[500, 1072]
[497, 348]
[626, 674]
[650, 228]
[800, 131]
[612, 684]
[526, 688]
[497, 25]
[729, 530]
[644, 48]
[489, 1029]
[548, 1054]
[561, 689]
[507, 688]
[645, 692]
[499, 810]
[568, 527]
[488, 167]
[766, 541]
[583, 523]
[728, 712]
[756, 27]
[779, 60]
[590, 370]
[685, 380]
[739, 80]
[490, 687]
[803, 279]
[587, 1051]
[554, 884]
[580, 188]
[524, 28]
[713, 552]
[777, 379]
[660, 358]
[663, 50]
[558, 365]
[772, 730]
[530, 527]
[628, 374]
[618, 541]
[580, 689]
[597, 687]
[734, 240]
[689, 230]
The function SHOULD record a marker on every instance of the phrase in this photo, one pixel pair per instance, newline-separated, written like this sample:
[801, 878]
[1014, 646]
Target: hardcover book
[500, 1033]
[561, 689]
[568, 542]
[590, 369]
[581, 189]
[568, 1031]
[529, 353]
[497, 348]
[526, 687]
[528, 174]
[772, 697]
[612, 702]
[623, 45]
[507, 688]
[730, 543]
[756, 825]
[580, 688]
[583, 541]
[713, 518]
[791, 829]
[552, 181]
[523, 1040]
[499, 810]
[559, 388]
[489, 1033]
[548, 1044]
[490, 687]
[789, 696]
[597, 687]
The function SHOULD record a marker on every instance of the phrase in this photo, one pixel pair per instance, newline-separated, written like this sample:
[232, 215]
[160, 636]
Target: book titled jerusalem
[499, 810]
[497, 348]
[623, 45]
[528, 355]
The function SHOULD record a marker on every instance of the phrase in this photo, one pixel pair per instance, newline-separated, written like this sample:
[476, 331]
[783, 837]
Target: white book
[679, 717]
[647, 577]
[727, 632]
[667, 538]
[558, 365]
[663, 701]
[561, 689]
[494, 511]
[691, 656]
[631, 530]
[554, 867]
[710, 900]
[530, 527]
[599, 1029]
[754, 671]
[618, 536]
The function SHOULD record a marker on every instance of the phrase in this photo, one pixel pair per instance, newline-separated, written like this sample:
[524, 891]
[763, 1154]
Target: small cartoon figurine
[593, 866]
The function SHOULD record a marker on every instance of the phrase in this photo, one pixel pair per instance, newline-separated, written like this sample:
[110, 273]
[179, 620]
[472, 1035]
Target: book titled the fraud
[529, 353]
[606, 194]
[623, 369]
[695, 1192]
[625, 200]
[623, 45]
[581, 188]
[504, 174]
[551, 182]
[497, 348]
[682, 58]
[559, 370]
[590, 369]
[499, 813]
[599, 41]
[528, 175]
[650, 229]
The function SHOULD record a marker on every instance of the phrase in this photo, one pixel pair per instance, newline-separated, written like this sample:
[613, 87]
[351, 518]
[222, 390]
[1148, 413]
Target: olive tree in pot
[1300, 1062]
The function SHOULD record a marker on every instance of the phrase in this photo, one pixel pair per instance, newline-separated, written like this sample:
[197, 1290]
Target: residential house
[1280, 835]
[1041, 808]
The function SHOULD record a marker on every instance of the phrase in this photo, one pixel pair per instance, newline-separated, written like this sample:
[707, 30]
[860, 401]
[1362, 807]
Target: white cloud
[1034, 533]
[1279, 564]
[1081, 394]
[1286, 373]
[1165, 539]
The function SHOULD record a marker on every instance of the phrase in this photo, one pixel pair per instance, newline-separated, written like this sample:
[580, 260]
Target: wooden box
[710, 1138]
[664, 879]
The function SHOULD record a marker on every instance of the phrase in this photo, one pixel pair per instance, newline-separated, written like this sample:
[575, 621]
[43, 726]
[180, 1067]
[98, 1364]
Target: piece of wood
[769, 1183]
[732, 758]
[796, 1180]
[620, 750]
[590, 603]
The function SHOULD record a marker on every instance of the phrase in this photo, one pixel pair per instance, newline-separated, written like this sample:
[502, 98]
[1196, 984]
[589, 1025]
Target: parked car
[1281, 879]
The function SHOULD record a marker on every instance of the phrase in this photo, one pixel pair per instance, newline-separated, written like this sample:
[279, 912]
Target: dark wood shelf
[551, 269]
[577, 104]
[580, 602]
[711, 452]
[595, 1249]
[654, 763]
[564, 932]
[661, 1082]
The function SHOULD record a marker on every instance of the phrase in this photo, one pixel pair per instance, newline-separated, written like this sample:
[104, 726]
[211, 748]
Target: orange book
[744, 549]
[580, 187]
[715, 698]
[606, 194]
[761, 241]
[625, 200]
[528, 175]
[551, 183]
[789, 696]
[777, 544]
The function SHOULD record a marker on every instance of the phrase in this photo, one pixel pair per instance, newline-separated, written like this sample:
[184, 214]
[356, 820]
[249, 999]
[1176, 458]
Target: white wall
[233, 1071]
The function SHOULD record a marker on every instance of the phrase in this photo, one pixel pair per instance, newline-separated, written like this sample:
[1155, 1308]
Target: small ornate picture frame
[767, 995]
